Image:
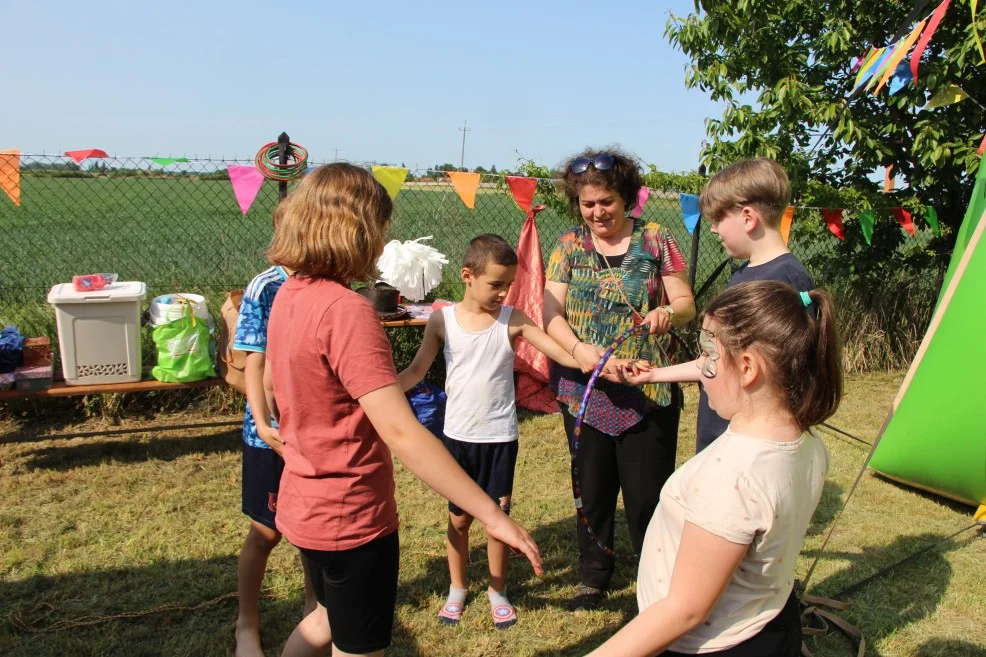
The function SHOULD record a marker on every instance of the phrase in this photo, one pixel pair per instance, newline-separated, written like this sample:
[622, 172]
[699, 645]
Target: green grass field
[94, 528]
[185, 234]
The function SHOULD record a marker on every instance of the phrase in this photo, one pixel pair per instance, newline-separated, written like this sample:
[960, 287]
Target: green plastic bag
[183, 349]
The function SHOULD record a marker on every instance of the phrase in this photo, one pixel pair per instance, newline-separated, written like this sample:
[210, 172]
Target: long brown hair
[333, 224]
[799, 344]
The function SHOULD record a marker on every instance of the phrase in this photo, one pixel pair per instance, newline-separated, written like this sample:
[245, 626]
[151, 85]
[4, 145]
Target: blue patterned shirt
[251, 331]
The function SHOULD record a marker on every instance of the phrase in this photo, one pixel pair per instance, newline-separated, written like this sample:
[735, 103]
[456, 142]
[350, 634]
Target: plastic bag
[413, 268]
[184, 350]
[170, 307]
[11, 349]
[428, 403]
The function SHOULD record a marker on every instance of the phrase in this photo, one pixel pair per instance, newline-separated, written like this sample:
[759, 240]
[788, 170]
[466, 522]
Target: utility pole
[337, 154]
[462, 159]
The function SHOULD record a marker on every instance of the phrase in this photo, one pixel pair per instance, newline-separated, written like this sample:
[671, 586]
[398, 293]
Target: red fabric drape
[527, 295]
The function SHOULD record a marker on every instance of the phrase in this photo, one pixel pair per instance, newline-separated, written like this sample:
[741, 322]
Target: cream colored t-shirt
[749, 491]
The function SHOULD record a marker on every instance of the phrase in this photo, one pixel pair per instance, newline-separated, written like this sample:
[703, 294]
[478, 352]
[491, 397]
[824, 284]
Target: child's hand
[272, 437]
[629, 372]
[508, 531]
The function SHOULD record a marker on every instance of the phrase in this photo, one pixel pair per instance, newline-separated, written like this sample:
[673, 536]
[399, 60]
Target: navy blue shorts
[262, 469]
[491, 465]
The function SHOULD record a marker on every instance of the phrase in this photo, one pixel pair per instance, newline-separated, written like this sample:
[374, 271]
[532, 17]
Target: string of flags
[247, 180]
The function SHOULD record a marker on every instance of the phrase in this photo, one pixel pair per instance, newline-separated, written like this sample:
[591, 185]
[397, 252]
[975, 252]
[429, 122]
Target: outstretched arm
[631, 374]
[702, 571]
[430, 344]
[523, 326]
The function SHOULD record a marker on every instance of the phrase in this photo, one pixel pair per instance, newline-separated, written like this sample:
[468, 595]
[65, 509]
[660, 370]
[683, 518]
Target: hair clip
[805, 299]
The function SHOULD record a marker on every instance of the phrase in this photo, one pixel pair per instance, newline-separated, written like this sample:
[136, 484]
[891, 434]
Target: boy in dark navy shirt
[744, 203]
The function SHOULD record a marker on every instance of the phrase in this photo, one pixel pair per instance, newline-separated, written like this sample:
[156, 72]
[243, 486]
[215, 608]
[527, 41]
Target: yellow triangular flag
[391, 178]
[951, 93]
[10, 174]
[465, 185]
[899, 55]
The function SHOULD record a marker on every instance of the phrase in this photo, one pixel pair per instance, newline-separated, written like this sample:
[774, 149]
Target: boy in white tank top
[481, 414]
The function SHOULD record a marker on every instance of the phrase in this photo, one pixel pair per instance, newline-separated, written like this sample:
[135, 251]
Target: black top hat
[384, 299]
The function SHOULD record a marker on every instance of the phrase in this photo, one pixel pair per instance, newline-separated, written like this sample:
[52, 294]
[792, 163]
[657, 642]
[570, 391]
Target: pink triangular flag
[642, 197]
[246, 181]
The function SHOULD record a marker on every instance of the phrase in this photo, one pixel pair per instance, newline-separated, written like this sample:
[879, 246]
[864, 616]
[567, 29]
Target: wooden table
[62, 389]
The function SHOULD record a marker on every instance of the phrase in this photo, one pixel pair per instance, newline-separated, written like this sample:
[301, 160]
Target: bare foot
[248, 642]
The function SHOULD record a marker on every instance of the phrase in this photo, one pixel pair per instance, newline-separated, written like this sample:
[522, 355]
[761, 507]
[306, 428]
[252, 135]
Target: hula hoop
[577, 431]
[266, 160]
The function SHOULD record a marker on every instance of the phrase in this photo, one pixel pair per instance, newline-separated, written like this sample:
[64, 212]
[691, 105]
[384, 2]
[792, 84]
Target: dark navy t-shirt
[785, 268]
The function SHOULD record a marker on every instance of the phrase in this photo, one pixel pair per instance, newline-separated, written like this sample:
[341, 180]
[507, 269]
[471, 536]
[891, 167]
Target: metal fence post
[283, 149]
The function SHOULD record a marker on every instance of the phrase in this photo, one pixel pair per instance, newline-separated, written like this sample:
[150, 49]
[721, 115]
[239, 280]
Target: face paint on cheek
[708, 347]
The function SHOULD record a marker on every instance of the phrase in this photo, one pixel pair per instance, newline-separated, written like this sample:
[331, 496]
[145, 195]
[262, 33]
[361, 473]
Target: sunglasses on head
[601, 162]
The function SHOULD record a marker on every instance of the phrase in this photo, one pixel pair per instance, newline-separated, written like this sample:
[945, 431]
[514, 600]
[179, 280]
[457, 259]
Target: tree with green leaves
[784, 69]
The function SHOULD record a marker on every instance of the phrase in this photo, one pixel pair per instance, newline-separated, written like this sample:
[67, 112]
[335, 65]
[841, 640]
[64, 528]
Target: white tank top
[479, 381]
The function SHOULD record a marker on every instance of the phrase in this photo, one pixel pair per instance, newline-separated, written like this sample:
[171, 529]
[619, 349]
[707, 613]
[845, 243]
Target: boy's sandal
[504, 616]
[451, 613]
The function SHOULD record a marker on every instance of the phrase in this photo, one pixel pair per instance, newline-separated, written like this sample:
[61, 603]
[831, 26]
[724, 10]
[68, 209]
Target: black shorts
[262, 469]
[491, 465]
[781, 637]
[358, 589]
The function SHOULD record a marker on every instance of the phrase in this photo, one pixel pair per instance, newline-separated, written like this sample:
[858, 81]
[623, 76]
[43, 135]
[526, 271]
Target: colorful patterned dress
[596, 309]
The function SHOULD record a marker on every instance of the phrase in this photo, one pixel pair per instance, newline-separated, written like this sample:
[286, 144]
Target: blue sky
[380, 81]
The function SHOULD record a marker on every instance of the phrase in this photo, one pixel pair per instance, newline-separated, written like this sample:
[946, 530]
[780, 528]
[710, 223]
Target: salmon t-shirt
[326, 349]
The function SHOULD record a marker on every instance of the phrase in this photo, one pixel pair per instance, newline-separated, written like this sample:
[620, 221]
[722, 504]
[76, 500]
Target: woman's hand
[628, 372]
[587, 356]
[659, 320]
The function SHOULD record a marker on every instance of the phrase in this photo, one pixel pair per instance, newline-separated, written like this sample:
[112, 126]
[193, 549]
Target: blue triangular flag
[902, 77]
[689, 211]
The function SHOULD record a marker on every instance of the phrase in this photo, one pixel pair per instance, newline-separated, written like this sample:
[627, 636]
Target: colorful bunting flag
[642, 195]
[982, 145]
[465, 185]
[899, 54]
[866, 223]
[926, 38]
[868, 68]
[246, 181]
[392, 178]
[901, 78]
[833, 219]
[689, 211]
[878, 67]
[932, 217]
[165, 161]
[786, 222]
[888, 179]
[904, 219]
[78, 156]
[10, 174]
[950, 93]
[523, 190]
[975, 32]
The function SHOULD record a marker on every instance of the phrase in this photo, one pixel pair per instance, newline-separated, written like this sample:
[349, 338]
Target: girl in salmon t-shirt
[342, 412]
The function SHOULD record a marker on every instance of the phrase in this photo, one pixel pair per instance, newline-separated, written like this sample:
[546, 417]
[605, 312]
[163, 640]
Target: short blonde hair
[333, 224]
[760, 183]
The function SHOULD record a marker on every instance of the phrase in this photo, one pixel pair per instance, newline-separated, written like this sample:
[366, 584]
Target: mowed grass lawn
[104, 526]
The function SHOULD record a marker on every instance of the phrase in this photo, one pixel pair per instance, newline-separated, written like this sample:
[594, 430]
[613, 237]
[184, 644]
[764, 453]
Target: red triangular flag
[523, 190]
[982, 145]
[833, 219]
[904, 218]
[527, 295]
[926, 37]
[246, 181]
[78, 156]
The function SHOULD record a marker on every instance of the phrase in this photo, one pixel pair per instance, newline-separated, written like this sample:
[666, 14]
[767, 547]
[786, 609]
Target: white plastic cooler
[99, 332]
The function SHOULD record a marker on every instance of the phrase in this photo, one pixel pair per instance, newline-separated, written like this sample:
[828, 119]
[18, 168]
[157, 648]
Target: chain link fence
[179, 228]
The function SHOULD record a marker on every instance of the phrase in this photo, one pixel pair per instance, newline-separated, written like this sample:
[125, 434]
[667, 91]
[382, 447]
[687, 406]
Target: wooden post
[283, 150]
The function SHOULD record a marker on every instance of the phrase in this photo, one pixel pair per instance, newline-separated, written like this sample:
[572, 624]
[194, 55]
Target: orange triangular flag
[786, 222]
[465, 185]
[523, 190]
[888, 179]
[10, 174]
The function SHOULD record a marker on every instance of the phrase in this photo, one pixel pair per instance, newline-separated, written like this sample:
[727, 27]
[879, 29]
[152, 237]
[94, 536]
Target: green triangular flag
[165, 161]
[932, 217]
[866, 223]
